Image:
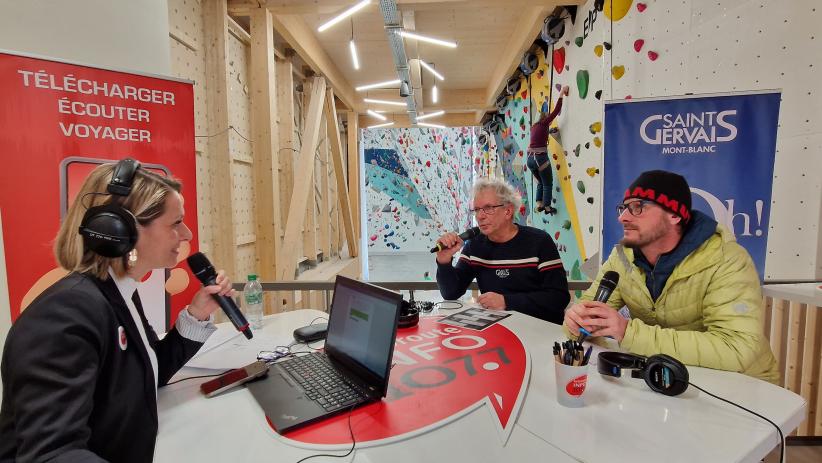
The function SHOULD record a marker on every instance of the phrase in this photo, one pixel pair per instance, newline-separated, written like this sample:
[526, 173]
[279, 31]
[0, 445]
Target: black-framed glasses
[634, 207]
[488, 210]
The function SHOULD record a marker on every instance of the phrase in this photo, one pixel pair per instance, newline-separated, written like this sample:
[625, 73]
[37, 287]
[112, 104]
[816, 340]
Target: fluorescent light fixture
[392, 103]
[436, 126]
[387, 83]
[377, 115]
[343, 15]
[430, 115]
[423, 38]
[354, 58]
[435, 94]
[431, 70]
[380, 125]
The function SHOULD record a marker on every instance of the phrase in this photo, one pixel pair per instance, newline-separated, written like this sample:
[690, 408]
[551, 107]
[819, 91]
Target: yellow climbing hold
[597, 142]
[598, 50]
[616, 9]
[591, 171]
[595, 127]
[618, 72]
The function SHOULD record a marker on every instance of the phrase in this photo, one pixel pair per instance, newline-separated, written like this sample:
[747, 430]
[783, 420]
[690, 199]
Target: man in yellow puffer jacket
[690, 290]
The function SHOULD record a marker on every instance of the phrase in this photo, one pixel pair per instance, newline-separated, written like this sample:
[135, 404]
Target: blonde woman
[81, 365]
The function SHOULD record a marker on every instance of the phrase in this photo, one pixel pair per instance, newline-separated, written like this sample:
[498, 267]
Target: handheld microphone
[466, 235]
[606, 286]
[204, 271]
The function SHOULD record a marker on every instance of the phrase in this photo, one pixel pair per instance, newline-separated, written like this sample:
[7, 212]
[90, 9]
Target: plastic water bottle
[253, 299]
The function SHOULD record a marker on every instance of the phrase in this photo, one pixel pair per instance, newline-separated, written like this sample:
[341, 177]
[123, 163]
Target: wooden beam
[243, 7]
[265, 148]
[401, 120]
[324, 215]
[522, 37]
[354, 169]
[336, 156]
[305, 166]
[216, 55]
[295, 31]
[285, 127]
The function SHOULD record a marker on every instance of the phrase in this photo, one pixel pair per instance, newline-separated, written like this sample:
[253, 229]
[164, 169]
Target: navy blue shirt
[526, 270]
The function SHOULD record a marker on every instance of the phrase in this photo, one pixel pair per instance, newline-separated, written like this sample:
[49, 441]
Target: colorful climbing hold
[616, 9]
[581, 186]
[566, 225]
[638, 43]
[652, 55]
[595, 127]
[559, 59]
[582, 83]
[618, 72]
[591, 171]
[641, 7]
[598, 50]
[590, 229]
[597, 142]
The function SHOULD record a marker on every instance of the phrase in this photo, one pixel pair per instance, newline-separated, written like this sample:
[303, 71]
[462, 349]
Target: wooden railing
[318, 294]
[793, 325]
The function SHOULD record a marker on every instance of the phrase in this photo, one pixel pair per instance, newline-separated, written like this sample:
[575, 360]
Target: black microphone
[466, 235]
[606, 286]
[204, 271]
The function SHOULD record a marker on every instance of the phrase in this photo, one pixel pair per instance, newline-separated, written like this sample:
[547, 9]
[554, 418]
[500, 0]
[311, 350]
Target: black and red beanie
[669, 190]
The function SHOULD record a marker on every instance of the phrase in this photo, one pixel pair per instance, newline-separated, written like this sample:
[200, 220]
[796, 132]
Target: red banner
[59, 122]
[440, 373]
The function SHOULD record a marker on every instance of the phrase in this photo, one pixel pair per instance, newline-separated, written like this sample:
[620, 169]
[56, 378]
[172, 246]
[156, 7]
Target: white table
[623, 420]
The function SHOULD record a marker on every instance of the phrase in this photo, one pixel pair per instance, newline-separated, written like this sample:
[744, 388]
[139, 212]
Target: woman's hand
[203, 305]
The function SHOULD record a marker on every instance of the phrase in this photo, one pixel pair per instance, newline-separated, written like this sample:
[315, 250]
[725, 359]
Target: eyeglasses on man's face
[634, 207]
[488, 210]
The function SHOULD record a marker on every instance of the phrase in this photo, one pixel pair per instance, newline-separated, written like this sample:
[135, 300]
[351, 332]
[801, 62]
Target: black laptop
[353, 369]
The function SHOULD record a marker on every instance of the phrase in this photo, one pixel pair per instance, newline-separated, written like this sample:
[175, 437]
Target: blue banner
[723, 145]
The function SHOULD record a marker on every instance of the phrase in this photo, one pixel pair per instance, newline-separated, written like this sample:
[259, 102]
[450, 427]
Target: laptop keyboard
[322, 383]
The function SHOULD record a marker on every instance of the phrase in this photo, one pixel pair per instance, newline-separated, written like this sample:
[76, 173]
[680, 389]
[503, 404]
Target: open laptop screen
[362, 325]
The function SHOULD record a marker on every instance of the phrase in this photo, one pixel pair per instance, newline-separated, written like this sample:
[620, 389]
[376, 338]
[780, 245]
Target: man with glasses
[686, 288]
[516, 267]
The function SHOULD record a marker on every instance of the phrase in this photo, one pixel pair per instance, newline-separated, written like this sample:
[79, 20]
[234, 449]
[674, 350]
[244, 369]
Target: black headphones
[110, 230]
[409, 315]
[662, 373]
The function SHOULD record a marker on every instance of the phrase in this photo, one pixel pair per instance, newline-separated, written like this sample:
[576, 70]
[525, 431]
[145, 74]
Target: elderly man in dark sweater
[516, 267]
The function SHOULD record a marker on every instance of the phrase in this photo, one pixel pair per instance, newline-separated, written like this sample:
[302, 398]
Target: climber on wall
[538, 157]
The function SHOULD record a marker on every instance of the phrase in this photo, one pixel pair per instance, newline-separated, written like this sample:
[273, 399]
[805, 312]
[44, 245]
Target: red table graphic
[440, 374]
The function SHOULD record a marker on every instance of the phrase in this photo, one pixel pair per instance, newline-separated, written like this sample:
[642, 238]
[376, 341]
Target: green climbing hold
[576, 150]
[590, 229]
[581, 186]
[578, 41]
[582, 83]
[566, 225]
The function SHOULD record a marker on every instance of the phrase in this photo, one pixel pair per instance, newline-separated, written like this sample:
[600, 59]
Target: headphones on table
[662, 373]
[110, 230]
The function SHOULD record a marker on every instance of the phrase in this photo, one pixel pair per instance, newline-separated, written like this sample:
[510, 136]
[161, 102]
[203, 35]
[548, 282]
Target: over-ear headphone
[662, 373]
[409, 316]
[110, 230]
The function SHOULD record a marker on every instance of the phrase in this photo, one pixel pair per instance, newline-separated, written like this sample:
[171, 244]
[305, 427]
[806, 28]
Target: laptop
[353, 369]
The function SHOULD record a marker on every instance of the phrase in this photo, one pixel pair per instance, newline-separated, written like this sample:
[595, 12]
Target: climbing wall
[417, 185]
[657, 49]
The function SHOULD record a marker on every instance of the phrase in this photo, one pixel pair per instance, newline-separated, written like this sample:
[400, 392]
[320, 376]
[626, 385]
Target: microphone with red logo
[204, 271]
[466, 235]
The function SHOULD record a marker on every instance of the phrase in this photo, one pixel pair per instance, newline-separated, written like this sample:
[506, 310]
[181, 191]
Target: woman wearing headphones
[81, 365]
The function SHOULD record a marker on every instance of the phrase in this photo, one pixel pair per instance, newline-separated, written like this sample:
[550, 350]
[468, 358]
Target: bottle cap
[252, 277]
